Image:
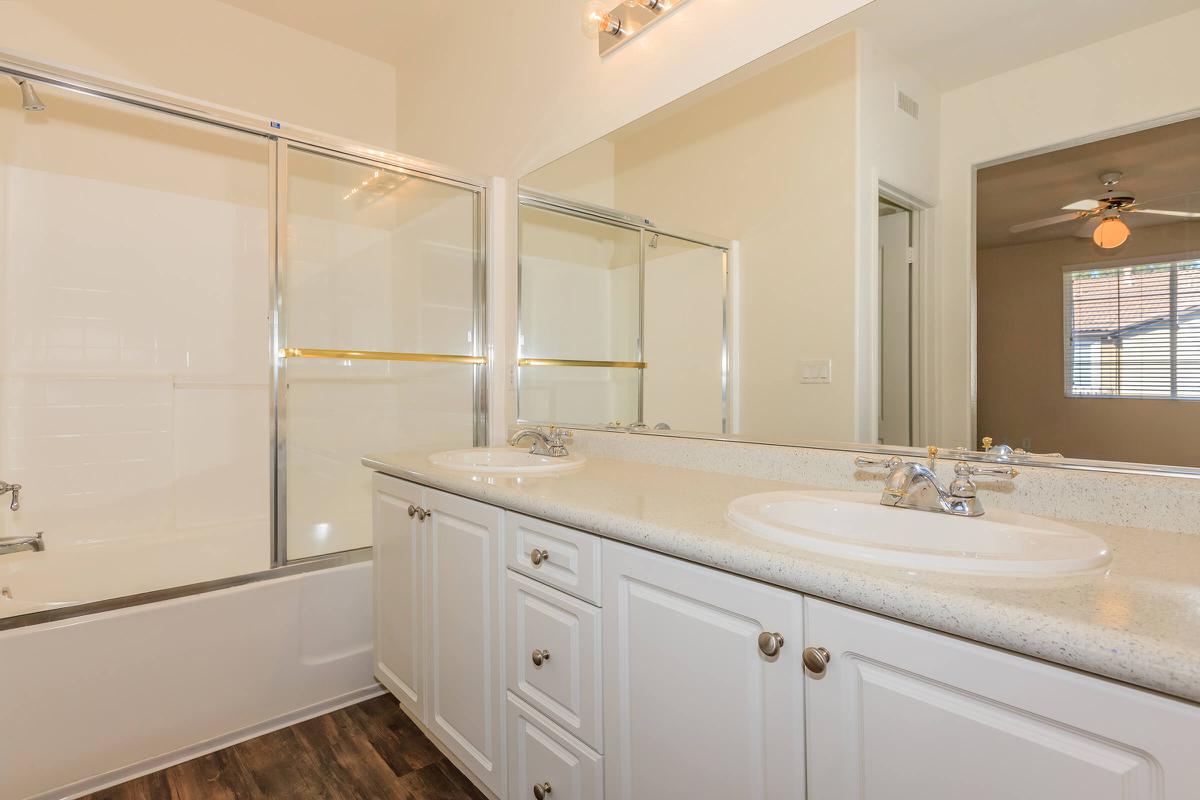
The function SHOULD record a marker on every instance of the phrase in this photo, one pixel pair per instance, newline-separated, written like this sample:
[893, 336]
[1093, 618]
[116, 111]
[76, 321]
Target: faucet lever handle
[962, 469]
[889, 463]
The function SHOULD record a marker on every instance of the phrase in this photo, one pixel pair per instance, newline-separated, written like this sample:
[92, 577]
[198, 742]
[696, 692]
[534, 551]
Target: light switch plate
[816, 371]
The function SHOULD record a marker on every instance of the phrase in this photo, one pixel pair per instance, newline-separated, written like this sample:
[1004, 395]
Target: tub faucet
[916, 486]
[15, 489]
[552, 442]
[15, 544]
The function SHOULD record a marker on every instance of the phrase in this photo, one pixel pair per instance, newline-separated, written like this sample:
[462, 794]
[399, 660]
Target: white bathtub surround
[1156, 502]
[1135, 621]
[97, 700]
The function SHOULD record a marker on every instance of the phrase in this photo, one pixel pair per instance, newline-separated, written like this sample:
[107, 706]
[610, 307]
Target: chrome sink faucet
[550, 442]
[912, 485]
[15, 544]
[15, 490]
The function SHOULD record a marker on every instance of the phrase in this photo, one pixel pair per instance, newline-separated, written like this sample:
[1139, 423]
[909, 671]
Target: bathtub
[70, 574]
[98, 699]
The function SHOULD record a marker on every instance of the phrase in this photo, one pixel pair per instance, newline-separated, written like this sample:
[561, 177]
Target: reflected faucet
[916, 486]
[552, 442]
[15, 544]
[15, 489]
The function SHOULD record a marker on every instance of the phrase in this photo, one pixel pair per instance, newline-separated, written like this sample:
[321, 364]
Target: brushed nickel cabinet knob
[816, 659]
[540, 657]
[538, 556]
[412, 510]
[542, 790]
[769, 644]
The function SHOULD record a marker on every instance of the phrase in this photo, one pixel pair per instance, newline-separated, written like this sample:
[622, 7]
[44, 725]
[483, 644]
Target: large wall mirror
[918, 225]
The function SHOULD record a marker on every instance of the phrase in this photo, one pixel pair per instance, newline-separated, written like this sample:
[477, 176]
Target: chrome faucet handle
[889, 463]
[963, 484]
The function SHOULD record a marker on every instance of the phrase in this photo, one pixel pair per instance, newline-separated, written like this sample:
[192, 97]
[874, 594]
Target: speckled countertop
[1138, 621]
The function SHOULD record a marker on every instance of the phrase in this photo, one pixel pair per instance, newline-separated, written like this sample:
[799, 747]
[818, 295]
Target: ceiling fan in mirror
[1110, 231]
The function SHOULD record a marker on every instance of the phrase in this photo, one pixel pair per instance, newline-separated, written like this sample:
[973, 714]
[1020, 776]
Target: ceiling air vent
[907, 104]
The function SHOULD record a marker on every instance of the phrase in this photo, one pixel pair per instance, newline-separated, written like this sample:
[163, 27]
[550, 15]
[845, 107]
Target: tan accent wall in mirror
[1022, 397]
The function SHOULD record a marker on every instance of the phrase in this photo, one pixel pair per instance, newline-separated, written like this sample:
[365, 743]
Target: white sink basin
[854, 525]
[504, 461]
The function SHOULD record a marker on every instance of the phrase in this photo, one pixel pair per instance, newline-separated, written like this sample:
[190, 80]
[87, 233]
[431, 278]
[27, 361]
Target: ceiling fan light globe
[1111, 233]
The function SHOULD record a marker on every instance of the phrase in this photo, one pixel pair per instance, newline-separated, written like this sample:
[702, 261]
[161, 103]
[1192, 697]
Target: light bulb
[597, 19]
[1111, 233]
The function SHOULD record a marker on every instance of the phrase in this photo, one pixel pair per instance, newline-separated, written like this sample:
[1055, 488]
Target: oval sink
[854, 525]
[504, 461]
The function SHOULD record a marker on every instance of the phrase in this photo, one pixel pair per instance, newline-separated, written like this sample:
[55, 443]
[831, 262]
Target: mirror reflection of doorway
[895, 323]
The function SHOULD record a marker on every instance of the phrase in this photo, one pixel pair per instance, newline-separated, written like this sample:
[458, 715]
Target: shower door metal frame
[278, 136]
[642, 225]
[281, 350]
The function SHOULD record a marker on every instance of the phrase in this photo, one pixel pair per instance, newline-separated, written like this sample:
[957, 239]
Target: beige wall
[1061, 99]
[1021, 391]
[213, 52]
[744, 162]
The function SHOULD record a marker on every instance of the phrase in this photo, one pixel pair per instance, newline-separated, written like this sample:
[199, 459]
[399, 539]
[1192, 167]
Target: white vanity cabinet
[693, 708]
[902, 712]
[438, 618]
[555, 664]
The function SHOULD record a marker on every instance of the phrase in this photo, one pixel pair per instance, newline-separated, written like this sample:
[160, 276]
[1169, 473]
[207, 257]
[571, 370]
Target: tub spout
[15, 544]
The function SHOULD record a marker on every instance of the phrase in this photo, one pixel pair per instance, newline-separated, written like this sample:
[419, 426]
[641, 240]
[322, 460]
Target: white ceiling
[957, 42]
[1161, 167]
[952, 42]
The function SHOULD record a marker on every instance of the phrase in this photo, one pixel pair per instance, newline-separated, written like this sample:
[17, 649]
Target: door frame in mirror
[1127, 467]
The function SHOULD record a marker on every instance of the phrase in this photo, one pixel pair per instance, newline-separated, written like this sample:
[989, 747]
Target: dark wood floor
[362, 752]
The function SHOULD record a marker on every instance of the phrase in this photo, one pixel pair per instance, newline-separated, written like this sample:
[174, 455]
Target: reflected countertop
[1137, 621]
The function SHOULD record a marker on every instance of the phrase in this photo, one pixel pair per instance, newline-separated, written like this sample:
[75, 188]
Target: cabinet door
[466, 671]
[902, 712]
[399, 553]
[692, 708]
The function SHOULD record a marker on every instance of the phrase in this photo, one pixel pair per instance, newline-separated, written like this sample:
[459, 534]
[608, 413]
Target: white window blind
[1133, 331]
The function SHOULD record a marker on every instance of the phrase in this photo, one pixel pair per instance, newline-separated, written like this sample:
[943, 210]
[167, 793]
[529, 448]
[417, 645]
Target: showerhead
[29, 96]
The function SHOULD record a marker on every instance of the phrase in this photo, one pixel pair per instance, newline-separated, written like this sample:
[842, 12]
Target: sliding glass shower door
[134, 385]
[381, 323]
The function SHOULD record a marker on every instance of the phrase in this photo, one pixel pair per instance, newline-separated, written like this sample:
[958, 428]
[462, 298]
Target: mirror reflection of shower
[30, 100]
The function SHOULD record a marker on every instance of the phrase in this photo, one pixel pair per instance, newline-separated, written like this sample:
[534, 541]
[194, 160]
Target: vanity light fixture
[613, 26]
[1111, 232]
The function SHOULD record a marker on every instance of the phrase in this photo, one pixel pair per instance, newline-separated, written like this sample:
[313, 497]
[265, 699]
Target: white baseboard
[116, 776]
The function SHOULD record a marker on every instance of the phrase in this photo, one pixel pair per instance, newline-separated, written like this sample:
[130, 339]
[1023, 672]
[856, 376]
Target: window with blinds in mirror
[1133, 331]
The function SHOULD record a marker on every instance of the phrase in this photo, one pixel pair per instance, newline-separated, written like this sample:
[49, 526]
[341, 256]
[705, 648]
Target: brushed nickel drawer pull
[538, 557]
[540, 657]
[542, 790]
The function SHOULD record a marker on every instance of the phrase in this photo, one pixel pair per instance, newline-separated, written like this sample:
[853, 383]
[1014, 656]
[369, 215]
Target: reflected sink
[504, 461]
[854, 525]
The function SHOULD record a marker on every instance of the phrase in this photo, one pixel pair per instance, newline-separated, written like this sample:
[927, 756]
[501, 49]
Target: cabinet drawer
[540, 754]
[567, 559]
[554, 656]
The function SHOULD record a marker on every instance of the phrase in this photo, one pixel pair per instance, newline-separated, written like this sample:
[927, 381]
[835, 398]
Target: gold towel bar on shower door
[567, 362]
[378, 355]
